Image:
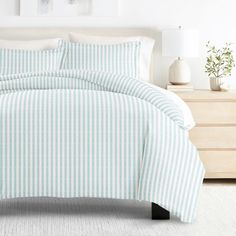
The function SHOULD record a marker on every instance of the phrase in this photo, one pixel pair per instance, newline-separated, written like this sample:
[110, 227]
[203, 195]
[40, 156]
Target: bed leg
[159, 213]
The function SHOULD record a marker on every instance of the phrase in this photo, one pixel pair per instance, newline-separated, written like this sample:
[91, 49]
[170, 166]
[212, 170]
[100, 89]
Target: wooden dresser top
[208, 95]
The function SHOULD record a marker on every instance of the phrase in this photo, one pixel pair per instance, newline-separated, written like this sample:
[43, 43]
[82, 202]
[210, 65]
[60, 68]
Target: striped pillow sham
[14, 61]
[146, 47]
[123, 58]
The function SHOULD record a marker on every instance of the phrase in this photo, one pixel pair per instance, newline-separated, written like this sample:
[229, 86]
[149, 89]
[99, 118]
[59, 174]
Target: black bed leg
[159, 213]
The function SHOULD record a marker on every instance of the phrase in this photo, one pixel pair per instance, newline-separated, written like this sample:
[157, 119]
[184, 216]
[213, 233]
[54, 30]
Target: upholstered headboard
[41, 33]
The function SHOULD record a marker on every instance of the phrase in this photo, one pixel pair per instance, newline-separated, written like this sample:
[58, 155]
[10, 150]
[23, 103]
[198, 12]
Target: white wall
[215, 20]
[9, 7]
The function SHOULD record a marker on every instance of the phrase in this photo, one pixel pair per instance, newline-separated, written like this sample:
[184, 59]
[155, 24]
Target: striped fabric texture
[123, 58]
[14, 61]
[103, 81]
[86, 134]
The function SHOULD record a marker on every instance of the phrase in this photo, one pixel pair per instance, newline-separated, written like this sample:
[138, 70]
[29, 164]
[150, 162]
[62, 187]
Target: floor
[88, 217]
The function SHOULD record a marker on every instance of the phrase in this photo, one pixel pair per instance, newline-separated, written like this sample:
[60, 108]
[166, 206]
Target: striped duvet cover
[94, 134]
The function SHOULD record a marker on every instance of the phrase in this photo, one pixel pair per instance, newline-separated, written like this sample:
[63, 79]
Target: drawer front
[219, 164]
[214, 137]
[214, 112]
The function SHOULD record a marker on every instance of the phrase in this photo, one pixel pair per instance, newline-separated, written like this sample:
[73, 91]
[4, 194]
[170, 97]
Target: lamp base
[179, 72]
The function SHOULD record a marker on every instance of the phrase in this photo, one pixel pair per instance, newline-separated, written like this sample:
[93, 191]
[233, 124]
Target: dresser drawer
[222, 113]
[215, 133]
[219, 164]
[214, 137]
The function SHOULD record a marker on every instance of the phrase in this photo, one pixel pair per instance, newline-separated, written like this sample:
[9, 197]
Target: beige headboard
[40, 33]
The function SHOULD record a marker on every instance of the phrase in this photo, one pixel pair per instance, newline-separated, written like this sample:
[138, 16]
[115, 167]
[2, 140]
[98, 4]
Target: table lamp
[180, 43]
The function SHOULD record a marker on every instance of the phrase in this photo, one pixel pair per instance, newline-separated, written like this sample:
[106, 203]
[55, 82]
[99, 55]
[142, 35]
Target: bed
[77, 121]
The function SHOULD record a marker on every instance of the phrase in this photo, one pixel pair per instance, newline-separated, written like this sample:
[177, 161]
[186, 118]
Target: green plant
[220, 62]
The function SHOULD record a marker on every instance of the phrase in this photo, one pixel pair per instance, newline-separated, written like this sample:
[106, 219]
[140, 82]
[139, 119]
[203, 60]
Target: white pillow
[42, 44]
[145, 54]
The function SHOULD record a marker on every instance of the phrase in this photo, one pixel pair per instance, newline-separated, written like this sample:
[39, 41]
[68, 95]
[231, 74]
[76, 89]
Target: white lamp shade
[180, 43]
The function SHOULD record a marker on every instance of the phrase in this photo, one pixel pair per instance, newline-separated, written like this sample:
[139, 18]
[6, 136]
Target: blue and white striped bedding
[15, 61]
[122, 58]
[95, 134]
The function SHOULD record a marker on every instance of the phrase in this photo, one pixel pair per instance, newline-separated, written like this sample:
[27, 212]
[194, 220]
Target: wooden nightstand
[215, 131]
